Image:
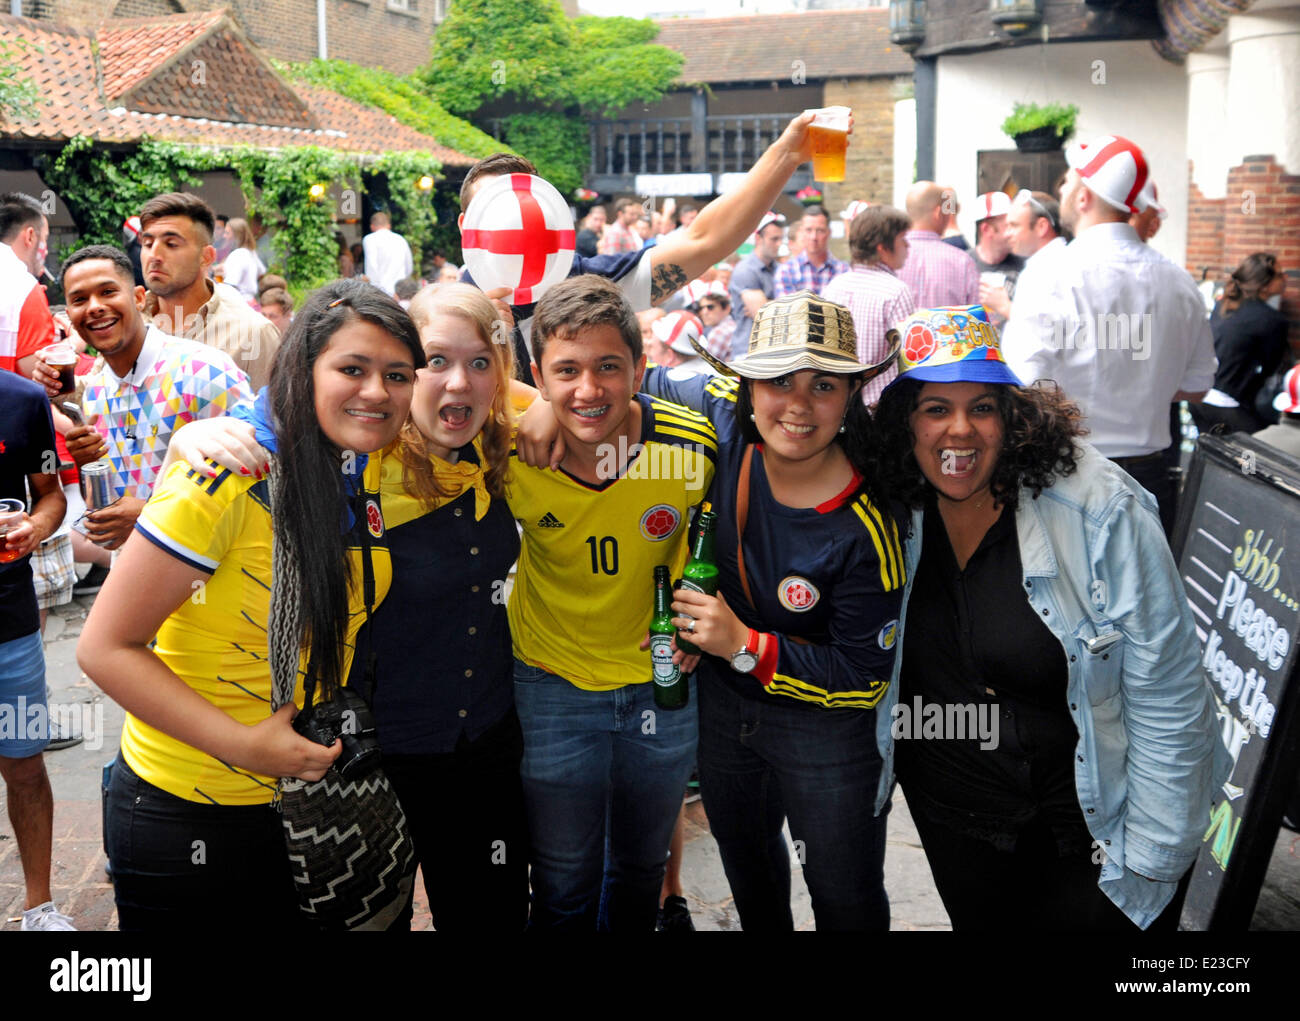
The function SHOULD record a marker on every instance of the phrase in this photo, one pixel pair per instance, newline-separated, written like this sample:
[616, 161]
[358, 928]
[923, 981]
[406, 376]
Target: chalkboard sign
[1237, 543]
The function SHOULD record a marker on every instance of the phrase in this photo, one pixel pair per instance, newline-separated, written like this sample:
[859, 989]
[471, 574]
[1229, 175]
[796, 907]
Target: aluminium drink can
[97, 485]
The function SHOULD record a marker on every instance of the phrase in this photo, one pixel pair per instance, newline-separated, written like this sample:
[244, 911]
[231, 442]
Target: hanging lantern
[907, 23]
[425, 183]
[316, 192]
[1016, 16]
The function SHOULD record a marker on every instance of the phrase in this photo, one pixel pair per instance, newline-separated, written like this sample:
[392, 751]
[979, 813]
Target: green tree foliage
[397, 96]
[410, 206]
[277, 189]
[558, 145]
[488, 49]
[615, 65]
[528, 50]
[529, 53]
[102, 188]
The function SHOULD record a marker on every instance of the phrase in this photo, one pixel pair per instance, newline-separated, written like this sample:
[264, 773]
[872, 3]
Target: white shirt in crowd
[387, 259]
[1120, 328]
[241, 270]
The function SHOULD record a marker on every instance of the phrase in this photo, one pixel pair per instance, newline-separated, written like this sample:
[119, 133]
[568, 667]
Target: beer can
[97, 485]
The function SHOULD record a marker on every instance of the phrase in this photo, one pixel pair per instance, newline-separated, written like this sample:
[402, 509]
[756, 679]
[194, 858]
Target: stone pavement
[82, 890]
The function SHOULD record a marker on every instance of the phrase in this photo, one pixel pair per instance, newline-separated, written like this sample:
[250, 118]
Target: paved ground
[82, 890]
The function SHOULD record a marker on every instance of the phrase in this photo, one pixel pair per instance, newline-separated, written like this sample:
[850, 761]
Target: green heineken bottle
[701, 571]
[671, 688]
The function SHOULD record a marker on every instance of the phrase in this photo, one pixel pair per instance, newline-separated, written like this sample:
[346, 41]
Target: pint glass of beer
[60, 357]
[11, 516]
[829, 132]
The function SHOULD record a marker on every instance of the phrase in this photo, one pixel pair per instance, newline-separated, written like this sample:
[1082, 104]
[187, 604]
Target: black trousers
[465, 809]
[1030, 889]
[182, 866]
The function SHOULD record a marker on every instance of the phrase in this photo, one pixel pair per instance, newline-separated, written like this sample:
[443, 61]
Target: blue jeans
[22, 696]
[604, 773]
[761, 761]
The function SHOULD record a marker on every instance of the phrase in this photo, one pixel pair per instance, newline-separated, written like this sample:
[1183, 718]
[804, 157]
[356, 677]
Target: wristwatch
[745, 659]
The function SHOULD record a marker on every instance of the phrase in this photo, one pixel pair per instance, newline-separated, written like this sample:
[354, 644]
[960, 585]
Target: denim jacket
[1149, 760]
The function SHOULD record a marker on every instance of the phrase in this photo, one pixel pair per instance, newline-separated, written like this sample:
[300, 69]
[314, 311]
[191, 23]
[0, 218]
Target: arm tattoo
[665, 279]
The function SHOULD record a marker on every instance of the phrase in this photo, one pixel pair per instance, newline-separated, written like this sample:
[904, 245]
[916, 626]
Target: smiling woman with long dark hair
[191, 833]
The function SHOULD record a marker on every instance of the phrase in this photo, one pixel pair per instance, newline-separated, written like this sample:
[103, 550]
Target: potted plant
[1040, 128]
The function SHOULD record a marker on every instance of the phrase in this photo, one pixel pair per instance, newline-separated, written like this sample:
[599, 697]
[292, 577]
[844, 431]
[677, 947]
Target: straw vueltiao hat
[801, 331]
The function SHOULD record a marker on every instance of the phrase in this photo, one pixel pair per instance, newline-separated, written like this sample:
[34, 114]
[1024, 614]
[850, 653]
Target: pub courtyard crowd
[938, 476]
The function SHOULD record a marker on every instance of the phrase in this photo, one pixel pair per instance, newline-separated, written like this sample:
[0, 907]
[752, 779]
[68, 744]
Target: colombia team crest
[374, 519]
[888, 635]
[660, 521]
[797, 594]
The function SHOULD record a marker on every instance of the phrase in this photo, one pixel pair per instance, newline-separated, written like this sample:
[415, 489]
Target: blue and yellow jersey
[827, 580]
[584, 594]
[216, 641]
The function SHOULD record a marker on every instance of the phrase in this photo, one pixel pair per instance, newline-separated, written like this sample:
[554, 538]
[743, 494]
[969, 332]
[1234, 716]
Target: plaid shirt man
[798, 274]
[717, 339]
[878, 301]
[939, 274]
[618, 239]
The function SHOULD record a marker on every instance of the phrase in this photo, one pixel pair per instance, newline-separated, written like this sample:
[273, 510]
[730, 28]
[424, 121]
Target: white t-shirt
[1120, 328]
[387, 259]
[241, 270]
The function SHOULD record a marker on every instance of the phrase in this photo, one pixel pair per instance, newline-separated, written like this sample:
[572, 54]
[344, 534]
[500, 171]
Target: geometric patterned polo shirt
[173, 381]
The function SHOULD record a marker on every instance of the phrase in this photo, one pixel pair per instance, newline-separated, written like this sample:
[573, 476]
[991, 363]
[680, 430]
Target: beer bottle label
[666, 673]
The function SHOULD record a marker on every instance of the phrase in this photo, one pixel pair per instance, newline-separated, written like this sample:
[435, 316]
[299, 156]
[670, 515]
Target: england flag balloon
[518, 233]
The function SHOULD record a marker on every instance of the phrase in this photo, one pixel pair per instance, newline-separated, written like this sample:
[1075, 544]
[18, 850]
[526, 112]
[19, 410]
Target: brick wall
[1261, 213]
[1204, 232]
[869, 167]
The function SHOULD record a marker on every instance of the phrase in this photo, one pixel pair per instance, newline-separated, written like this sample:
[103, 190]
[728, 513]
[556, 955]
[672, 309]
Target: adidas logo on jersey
[549, 520]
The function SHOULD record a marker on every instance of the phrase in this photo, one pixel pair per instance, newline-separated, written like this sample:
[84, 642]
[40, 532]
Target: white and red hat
[698, 290]
[1288, 401]
[992, 203]
[769, 217]
[851, 211]
[1147, 199]
[677, 329]
[131, 227]
[518, 233]
[1114, 169]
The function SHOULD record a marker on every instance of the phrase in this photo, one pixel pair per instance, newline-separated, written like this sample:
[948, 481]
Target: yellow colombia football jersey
[216, 641]
[583, 597]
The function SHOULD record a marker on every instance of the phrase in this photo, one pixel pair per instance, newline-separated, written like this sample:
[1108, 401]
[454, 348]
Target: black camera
[346, 717]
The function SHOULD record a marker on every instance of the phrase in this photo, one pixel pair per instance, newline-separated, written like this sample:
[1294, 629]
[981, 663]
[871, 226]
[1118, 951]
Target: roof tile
[60, 62]
[764, 47]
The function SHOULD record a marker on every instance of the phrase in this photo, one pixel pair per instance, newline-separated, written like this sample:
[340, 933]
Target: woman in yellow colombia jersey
[191, 831]
[444, 698]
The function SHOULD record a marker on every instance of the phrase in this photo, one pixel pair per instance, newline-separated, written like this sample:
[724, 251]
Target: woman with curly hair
[1055, 735]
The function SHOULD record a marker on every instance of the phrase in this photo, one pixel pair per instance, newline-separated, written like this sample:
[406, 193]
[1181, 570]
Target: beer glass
[829, 133]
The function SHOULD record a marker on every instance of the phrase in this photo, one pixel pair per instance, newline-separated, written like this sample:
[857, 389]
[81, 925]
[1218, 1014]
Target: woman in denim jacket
[1055, 734]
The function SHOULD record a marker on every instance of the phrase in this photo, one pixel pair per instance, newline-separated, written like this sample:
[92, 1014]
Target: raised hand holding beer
[46, 375]
[829, 132]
